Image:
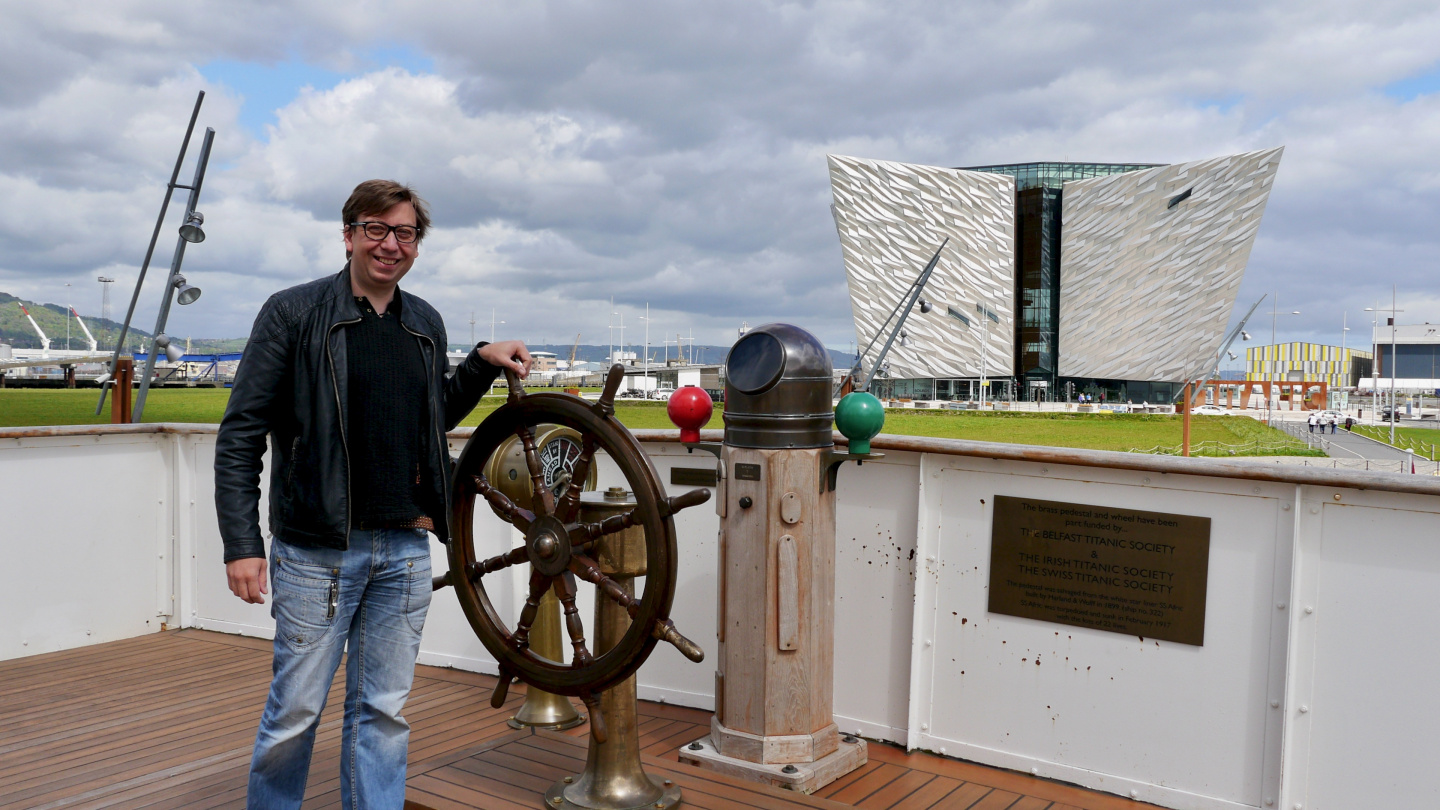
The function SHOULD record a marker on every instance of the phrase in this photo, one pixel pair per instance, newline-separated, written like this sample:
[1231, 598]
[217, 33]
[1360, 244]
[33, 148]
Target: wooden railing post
[121, 402]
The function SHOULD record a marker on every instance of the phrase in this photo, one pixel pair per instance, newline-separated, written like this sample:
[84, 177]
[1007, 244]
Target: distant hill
[16, 330]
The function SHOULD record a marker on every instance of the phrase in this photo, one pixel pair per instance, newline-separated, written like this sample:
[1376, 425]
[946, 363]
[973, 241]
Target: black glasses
[404, 234]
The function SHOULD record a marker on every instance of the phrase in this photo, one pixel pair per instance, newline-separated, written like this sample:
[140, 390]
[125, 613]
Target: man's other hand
[510, 354]
[247, 579]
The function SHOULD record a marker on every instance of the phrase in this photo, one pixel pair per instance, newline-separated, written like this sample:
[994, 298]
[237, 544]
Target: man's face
[378, 265]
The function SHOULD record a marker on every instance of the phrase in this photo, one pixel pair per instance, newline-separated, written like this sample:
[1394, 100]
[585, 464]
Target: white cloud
[573, 151]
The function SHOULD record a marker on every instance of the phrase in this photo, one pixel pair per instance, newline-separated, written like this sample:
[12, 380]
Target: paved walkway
[1344, 444]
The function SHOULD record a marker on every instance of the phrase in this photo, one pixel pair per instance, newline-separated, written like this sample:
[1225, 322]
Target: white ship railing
[1315, 685]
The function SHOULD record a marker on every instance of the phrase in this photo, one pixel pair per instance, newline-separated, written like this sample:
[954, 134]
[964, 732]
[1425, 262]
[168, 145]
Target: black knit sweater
[387, 421]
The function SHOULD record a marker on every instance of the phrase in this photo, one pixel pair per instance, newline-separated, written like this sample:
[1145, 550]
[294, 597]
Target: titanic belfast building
[1115, 280]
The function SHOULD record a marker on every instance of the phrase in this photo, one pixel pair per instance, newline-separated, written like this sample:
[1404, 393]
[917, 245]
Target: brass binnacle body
[543, 709]
[614, 778]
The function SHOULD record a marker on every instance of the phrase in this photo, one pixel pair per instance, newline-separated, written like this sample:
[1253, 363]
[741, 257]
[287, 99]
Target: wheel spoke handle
[502, 688]
[441, 581]
[665, 631]
[582, 534]
[501, 505]
[520, 639]
[605, 406]
[588, 570]
[597, 718]
[571, 502]
[517, 388]
[497, 563]
[694, 497]
[565, 589]
[542, 500]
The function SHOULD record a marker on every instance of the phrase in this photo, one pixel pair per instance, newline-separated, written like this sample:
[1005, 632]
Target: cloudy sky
[674, 152]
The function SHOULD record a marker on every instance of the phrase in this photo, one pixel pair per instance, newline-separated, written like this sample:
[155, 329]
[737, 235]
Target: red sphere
[690, 408]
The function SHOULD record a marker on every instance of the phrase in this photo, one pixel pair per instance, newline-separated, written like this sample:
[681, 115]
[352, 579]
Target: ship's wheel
[559, 548]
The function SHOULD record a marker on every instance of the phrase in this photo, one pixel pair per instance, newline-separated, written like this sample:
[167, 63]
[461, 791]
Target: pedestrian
[1312, 420]
[1334, 423]
[1350, 423]
[348, 379]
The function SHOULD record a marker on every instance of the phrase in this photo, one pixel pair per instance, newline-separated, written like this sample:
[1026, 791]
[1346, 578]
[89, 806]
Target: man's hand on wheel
[510, 354]
[247, 579]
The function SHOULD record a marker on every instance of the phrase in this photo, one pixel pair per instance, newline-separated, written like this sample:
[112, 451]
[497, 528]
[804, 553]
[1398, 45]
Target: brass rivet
[334, 570]
[410, 564]
[569, 779]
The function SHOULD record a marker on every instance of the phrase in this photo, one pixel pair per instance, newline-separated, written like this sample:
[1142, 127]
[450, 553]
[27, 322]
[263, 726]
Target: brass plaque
[1122, 570]
[747, 472]
[693, 477]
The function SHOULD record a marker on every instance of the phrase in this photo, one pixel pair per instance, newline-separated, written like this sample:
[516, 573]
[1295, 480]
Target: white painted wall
[1314, 686]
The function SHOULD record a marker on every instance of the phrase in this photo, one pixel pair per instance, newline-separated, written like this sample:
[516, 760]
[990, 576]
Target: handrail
[1106, 459]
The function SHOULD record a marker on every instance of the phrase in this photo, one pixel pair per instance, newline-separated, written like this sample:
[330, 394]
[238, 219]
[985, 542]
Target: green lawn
[1215, 435]
[1421, 440]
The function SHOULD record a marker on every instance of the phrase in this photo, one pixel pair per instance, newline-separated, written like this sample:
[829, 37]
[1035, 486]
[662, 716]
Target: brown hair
[378, 196]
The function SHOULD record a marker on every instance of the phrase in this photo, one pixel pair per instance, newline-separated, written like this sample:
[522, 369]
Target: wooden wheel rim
[621, 661]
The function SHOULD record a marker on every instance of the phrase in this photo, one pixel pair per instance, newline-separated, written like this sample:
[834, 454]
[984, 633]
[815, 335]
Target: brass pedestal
[613, 778]
[543, 709]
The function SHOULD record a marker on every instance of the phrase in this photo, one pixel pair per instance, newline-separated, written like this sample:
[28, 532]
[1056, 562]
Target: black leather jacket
[290, 386]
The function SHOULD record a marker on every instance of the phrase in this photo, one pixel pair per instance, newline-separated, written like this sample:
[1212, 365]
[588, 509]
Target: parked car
[1210, 410]
[1332, 416]
[662, 394]
[1390, 415]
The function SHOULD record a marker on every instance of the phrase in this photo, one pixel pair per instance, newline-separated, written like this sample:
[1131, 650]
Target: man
[347, 376]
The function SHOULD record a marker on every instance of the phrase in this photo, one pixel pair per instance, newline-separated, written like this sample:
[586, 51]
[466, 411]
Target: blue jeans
[371, 599]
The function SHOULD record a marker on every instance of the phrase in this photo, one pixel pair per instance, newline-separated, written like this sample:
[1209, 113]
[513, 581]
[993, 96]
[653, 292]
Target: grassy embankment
[1214, 435]
[1421, 440]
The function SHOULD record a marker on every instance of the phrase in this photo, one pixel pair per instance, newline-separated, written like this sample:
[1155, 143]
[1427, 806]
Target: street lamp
[1394, 358]
[646, 372]
[492, 324]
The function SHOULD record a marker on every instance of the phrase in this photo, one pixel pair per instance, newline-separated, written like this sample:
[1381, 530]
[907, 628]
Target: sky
[672, 154]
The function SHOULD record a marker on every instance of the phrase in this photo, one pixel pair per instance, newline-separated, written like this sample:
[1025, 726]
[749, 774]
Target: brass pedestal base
[544, 710]
[804, 777]
[517, 723]
[574, 793]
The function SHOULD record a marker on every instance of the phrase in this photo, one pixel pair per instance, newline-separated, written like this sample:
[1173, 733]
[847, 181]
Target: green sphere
[858, 417]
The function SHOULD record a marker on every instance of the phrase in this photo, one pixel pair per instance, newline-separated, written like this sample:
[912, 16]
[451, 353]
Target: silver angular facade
[1151, 262]
[891, 217]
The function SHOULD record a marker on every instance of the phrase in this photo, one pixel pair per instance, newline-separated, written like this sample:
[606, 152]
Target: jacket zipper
[340, 417]
[441, 446]
[334, 600]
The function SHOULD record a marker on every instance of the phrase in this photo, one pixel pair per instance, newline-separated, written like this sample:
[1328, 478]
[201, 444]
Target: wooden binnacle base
[804, 777]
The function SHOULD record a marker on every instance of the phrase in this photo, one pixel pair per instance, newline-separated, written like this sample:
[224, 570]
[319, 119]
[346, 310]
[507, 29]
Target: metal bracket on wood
[709, 447]
[832, 459]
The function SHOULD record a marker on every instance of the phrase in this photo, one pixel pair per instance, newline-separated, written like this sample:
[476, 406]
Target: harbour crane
[94, 346]
[570, 366]
[44, 341]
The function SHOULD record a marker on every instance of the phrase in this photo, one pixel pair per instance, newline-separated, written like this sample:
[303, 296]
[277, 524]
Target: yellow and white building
[1307, 362]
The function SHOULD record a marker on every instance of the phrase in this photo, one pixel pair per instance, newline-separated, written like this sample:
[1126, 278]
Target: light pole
[1275, 313]
[1394, 359]
[67, 316]
[492, 324]
[472, 327]
[646, 372]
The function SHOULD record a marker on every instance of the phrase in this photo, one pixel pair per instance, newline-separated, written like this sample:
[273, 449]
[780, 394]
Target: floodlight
[1244, 335]
[1233, 356]
[172, 352]
[185, 294]
[925, 306]
[103, 380]
[191, 231]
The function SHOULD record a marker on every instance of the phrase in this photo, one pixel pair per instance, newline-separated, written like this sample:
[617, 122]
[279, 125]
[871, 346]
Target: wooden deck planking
[166, 721]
